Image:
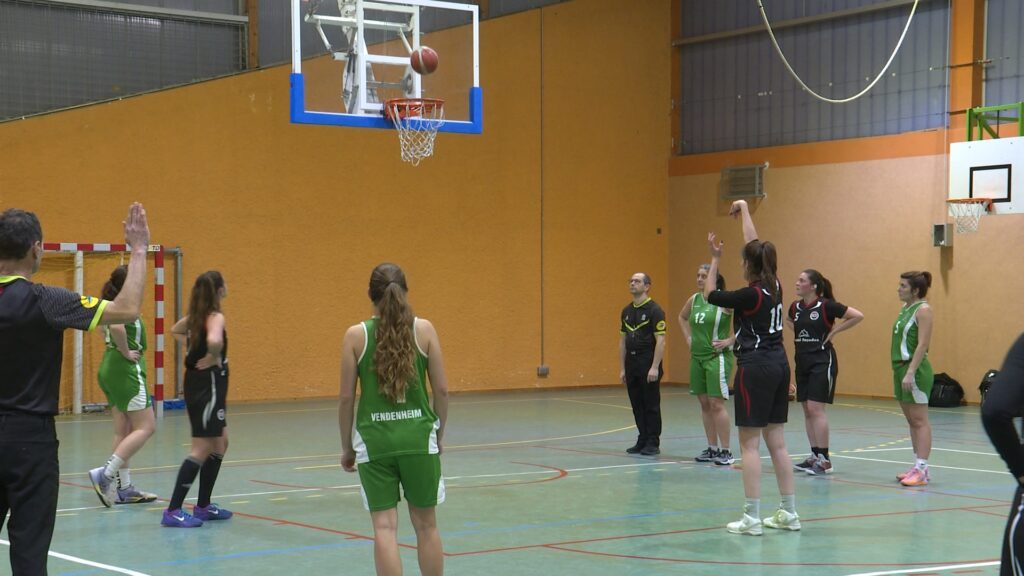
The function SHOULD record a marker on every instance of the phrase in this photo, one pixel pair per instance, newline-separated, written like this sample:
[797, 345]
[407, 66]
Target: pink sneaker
[904, 474]
[916, 477]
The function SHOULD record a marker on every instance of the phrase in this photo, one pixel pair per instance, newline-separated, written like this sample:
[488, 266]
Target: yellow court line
[619, 406]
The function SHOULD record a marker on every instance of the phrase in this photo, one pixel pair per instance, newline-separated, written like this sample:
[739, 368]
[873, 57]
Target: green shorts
[711, 375]
[124, 382]
[419, 475]
[923, 380]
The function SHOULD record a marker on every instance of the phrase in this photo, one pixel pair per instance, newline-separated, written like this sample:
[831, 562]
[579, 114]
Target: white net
[967, 213]
[417, 121]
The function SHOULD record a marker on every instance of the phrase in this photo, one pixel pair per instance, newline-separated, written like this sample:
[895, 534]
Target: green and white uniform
[709, 368]
[904, 342]
[123, 381]
[396, 442]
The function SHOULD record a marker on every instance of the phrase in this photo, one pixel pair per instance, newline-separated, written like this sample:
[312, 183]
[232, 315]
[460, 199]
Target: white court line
[930, 465]
[859, 450]
[928, 569]
[85, 562]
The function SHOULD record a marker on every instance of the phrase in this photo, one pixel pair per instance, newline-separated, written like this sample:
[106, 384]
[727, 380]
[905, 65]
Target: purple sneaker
[211, 512]
[180, 519]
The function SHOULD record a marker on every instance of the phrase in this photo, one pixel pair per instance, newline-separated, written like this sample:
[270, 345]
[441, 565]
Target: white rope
[775, 43]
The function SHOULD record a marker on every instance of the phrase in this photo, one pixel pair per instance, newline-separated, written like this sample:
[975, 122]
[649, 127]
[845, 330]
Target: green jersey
[384, 428]
[136, 332]
[707, 324]
[904, 333]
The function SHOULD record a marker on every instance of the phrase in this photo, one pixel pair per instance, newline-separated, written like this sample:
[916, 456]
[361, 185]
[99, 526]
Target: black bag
[946, 392]
[986, 383]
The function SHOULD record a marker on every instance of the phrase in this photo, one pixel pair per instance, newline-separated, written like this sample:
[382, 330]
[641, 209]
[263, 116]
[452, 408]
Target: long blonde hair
[395, 355]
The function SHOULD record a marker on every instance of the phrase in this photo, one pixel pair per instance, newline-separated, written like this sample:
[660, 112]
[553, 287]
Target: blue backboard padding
[299, 114]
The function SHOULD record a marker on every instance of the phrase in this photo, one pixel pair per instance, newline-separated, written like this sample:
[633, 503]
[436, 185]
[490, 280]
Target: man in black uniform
[641, 347]
[32, 323]
[1004, 402]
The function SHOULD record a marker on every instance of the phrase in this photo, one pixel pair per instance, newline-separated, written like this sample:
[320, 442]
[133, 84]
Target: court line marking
[941, 467]
[85, 562]
[933, 449]
[929, 569]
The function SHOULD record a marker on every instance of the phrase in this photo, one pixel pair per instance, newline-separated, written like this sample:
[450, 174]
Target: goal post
[79, 250]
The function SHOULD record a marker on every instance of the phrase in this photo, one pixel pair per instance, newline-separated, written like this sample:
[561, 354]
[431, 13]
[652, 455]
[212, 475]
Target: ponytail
[395, 355]
[822, 285]
[919, 282]
[205, 300]
[761, 261]
[113, 286]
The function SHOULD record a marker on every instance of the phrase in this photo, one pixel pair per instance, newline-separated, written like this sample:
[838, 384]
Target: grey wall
[737, 94]
[1004, 44]
[53, 57]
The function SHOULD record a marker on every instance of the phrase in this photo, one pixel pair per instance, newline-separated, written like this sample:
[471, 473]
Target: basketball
[423, 60]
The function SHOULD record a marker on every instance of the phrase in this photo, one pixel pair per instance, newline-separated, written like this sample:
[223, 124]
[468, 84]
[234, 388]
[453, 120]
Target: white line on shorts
[85, 562]
[929, 569]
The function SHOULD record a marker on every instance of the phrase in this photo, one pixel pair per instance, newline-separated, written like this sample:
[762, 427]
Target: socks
[752, 507]
[713, 448]
[788, 503]
[815, 451]
[124, 478]
[186, 475]
[113, 465]
[823, 452]
[207, 478]
[920, 463]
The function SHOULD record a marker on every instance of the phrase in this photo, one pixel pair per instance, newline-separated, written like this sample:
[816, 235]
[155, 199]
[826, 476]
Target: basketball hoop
[417, 121]
[967, 212]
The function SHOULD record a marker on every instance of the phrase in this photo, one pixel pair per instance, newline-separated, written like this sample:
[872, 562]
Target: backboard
[989, 169]
[367, 45]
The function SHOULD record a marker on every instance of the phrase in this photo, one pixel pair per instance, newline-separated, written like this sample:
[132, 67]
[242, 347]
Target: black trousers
[1013, 539]
[645, 397]
[29, 475]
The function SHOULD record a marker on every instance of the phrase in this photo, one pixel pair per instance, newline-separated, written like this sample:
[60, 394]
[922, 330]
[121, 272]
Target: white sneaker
[747, 525]
[783, 520]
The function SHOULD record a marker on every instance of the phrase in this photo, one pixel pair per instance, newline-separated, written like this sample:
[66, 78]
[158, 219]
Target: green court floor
[539, 483]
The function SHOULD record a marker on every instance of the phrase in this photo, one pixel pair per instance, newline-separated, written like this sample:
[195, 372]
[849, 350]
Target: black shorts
[816, 378]
[206, 393]
[762, 395]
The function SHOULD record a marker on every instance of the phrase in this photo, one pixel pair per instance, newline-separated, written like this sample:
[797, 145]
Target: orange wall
[296, 216]
[862, 224]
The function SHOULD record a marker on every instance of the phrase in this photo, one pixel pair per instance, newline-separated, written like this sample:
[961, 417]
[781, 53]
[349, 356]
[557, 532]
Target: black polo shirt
[33, 318]
[641, 324]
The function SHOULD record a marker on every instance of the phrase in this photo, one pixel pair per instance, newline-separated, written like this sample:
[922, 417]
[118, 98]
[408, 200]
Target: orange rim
[987, 202]
[411, 107]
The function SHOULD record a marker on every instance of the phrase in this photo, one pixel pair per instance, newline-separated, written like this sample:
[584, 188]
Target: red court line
[561, 474]
[709, 528]
[734, 563]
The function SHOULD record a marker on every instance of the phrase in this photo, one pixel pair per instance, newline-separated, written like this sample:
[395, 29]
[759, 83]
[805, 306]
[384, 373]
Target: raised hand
[737, 208]
[136, 227]
[715, 245]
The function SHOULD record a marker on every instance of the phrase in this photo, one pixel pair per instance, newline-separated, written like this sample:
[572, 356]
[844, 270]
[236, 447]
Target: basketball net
[967, 213]
[417, 121]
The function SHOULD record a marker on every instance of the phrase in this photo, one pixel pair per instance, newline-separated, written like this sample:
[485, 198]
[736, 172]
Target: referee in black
[641, 347]
[33, 318]
[1004, 402]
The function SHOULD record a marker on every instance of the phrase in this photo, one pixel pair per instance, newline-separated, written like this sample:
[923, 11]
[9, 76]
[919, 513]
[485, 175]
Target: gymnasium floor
[538, 483]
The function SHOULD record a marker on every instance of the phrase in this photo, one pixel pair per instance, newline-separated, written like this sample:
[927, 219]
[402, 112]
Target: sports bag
[946, 392]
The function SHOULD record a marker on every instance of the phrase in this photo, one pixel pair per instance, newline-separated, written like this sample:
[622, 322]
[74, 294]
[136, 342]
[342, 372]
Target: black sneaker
[708, 455]
[634, 449]
[650, 450]
[724, 458]
[806, 464]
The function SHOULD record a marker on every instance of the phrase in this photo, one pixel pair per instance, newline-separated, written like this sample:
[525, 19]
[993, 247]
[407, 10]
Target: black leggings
[1013, 539]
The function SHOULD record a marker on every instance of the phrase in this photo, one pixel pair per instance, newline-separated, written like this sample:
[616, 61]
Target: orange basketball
[423, 60]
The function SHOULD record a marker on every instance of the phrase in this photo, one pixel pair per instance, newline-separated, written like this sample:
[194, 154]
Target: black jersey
[1004, 402]
[196, 352]
[758, 323]
[33, 318]
[812, 323]
[641, 324]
